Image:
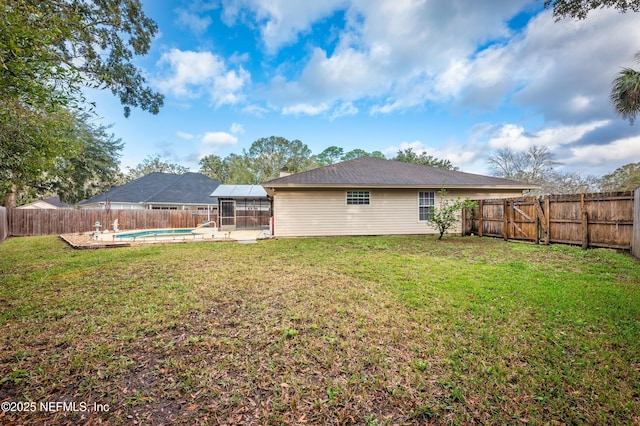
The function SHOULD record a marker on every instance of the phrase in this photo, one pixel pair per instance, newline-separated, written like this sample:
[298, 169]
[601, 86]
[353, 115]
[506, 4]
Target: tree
[94, 170]
[331, 155]
[215, 167]
[625, 178]
[625, 94]
[356, 153]
[410, 156]
[269, 156]
[579, 9]
[447, 213]
[239, 170]
[567, 183]
[529, 166]
[31, 142]
[51, 50]
[152, 164]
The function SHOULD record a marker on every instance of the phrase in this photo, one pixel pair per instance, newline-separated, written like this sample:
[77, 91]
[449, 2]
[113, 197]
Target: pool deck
[91, 240]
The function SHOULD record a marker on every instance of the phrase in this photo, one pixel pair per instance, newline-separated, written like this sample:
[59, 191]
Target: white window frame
[358, 198]
[423, 202]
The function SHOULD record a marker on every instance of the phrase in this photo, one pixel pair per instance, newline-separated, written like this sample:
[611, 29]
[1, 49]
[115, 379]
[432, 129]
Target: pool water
[155, 233]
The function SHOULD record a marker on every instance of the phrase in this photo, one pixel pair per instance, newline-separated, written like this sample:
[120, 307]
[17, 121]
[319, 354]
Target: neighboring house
[371, 196]
[242, 206]
[47, 204]
[159, 191]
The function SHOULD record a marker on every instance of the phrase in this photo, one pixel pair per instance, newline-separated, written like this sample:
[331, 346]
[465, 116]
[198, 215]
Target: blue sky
[453, 78]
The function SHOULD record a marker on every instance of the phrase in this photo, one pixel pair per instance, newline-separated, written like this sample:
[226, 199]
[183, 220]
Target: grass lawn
[371, 331]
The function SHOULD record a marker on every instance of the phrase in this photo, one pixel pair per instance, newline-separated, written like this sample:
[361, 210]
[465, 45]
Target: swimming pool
[154, 233]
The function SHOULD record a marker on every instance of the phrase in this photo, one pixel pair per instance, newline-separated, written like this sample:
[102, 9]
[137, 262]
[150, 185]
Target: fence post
[547, 217]
[635, 236]
[585, 223]
[585, 229]
[505, 219]
[480, 215]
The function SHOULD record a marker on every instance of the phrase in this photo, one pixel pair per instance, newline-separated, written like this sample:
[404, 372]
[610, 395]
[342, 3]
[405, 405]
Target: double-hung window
[358, 198]
[426, 204]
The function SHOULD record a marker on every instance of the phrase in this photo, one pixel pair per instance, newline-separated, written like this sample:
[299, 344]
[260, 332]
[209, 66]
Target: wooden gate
[521, 219]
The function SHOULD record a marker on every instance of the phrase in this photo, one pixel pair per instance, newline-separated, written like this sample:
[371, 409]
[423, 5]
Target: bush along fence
[589, 220]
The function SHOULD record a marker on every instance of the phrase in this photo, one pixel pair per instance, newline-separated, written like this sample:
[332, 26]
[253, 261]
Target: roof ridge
[164, 188]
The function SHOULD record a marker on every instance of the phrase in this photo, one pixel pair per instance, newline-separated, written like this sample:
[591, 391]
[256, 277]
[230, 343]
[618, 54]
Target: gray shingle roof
[371, 171]
[165, 188]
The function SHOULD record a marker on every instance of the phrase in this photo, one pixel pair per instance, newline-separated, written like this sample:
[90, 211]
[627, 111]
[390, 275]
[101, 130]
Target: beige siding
[325, 212]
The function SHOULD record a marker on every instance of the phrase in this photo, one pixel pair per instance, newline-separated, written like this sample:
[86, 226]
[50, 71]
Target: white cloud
[280, 21]
[621, 151]
[343, 110]
[218, 139]
[192, 74]
[516, 138]
[398, 53]
[306, 109]
[198, 24]
[184, 135]
[562, 70]
[236, 128]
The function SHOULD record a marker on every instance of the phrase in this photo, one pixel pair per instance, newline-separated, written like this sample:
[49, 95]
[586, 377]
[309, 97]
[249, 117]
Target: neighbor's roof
[162, 188]
[376, 172]
[239, 191]
[52, 201]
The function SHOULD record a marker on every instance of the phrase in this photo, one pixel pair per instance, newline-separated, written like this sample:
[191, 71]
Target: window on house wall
[426, 204]
[356, 198]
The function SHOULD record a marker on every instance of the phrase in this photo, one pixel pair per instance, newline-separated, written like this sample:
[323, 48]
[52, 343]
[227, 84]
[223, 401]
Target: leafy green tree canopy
[579, 9]
[269, 156]
[625, 178]
[152, 164]
[51, 50]
[331, 155]
[356, 153]
[94, 168]
[410, 156]
[625, 94]
[31, 142]
[215, 167]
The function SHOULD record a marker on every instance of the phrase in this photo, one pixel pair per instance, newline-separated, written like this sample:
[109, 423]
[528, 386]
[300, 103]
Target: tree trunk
[11, 198]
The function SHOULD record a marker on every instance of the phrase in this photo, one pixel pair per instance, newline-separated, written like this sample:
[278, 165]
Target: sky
[451, 78]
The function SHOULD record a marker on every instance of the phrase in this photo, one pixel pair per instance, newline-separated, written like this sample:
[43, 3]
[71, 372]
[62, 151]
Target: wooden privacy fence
[26, 222]
[589, 220]
[4, 225]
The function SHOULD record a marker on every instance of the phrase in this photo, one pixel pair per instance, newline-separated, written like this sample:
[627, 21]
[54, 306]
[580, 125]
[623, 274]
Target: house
[242, 207]
[47, 204]
[372, 196]
[160, 191]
